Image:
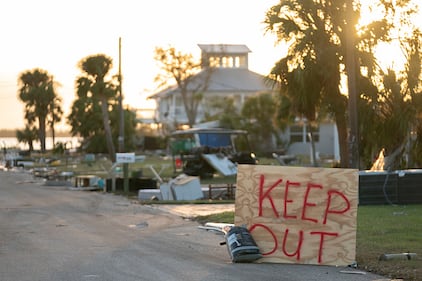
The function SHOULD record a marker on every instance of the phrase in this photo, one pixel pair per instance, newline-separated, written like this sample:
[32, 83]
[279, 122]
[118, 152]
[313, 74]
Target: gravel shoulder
[53, 233]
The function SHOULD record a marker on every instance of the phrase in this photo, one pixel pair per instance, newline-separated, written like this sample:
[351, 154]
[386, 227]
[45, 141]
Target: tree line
[329, 43]
[308, 81]
[94, 113]
[320, 54]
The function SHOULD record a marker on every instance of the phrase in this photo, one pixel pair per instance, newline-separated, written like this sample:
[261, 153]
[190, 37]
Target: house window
[179, 101]
[236, 61]
[299, 133]
[215, 61]
[177, 110]
[242, 61]
[227, 62]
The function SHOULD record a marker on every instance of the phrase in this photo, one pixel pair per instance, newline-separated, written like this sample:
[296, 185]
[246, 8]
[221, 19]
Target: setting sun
[389, 54]
[56, 36]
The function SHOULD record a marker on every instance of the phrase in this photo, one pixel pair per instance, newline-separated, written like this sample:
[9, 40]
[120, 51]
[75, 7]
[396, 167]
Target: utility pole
[351, 83]
[122, 117]
[121, 139]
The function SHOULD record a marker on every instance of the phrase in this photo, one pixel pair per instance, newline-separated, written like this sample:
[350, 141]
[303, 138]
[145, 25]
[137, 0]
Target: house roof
[236, 79]
[225, 80]
[224, 49]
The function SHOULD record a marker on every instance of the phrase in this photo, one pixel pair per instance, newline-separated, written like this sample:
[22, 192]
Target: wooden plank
[299, 215]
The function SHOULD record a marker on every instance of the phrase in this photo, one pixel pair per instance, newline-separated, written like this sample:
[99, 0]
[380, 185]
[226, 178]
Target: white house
[325, 138]
[231, 77]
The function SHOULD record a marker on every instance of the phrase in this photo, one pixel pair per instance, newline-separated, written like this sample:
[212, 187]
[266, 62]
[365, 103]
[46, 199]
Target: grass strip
[381, 229]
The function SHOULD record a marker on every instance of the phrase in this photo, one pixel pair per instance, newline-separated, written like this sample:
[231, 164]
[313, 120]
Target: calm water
[71, 142]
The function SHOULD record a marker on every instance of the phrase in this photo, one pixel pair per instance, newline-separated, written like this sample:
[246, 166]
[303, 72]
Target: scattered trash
[284, 160]
[221, 163]
[352, 272]
[241, 245]
[353, 265]
[87, 181]
[122, 204]
[26, 181]
[89, 188]
[205, 151]
[91, 276]
[183, 187]
[216, 227]
[139, 225]
[400, 256]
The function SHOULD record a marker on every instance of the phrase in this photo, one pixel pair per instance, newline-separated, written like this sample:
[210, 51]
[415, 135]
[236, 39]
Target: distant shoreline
[11, 133]
[12, 143]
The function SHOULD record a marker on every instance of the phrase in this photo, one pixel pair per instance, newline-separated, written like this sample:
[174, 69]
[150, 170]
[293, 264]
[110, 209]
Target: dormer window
[214, 61]
[225, 56]
[228, 61]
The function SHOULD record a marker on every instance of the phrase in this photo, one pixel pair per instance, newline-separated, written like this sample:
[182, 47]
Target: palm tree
[413, 74]
[38, 93]
[318, 34]
[27, 136]
[56, 114]
[258, 112]
[95, 69]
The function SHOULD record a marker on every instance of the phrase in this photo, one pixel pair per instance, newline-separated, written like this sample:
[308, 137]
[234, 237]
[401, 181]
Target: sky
[55, 35]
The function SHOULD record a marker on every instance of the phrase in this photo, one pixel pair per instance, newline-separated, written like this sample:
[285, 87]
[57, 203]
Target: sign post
[299, 215]
[125, 159]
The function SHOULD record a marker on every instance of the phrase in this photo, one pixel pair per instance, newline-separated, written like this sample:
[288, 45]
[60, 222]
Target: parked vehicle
[188, 148]
[23, 162]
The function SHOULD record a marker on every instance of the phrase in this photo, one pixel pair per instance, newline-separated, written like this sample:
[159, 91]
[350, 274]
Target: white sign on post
[125, 157]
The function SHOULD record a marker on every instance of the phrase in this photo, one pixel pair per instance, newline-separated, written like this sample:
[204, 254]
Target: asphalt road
[52, 233]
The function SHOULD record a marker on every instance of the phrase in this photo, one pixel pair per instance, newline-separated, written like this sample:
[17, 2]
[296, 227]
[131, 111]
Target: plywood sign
[299, 215]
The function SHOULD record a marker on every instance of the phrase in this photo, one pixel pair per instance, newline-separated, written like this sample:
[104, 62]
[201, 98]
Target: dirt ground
[53, 233]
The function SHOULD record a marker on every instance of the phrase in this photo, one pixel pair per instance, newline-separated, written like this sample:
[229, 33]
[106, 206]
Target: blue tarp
[214, 140]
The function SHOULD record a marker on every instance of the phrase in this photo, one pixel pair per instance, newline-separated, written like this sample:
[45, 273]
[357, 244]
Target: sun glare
[71, 31]
[389, 54]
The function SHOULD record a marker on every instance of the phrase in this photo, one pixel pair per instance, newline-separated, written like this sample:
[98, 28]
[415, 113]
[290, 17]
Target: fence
[390, 187]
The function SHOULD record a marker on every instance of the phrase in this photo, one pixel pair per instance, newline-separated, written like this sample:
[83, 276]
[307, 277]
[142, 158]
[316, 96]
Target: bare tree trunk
[53, 134]
[188, 104]
[107, 130]
[390, 160]
[342, 137]
[41, 133]
[311, 137]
